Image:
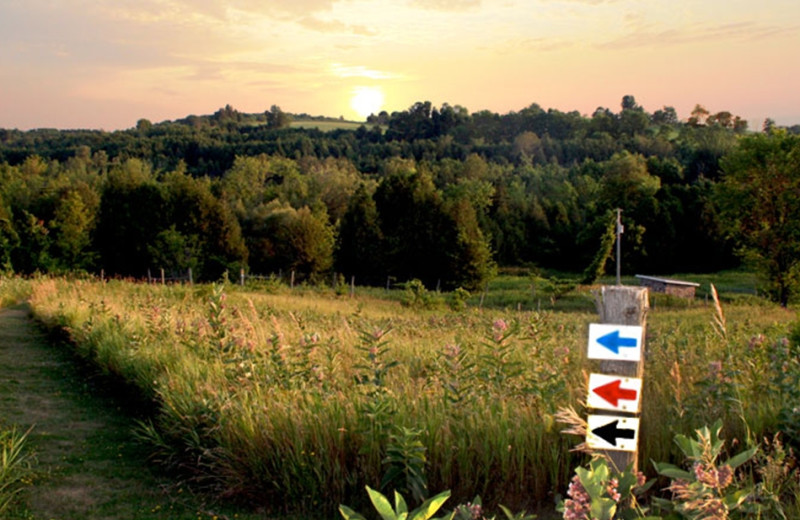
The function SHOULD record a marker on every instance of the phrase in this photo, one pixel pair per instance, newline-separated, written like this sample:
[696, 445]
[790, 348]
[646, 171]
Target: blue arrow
[613, 342]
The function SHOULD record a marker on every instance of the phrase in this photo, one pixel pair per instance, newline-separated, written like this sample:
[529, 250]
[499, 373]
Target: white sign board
[616, 393]
[609, 432]
[615, 342]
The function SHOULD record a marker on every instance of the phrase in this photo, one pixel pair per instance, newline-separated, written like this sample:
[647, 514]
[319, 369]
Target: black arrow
[610, 433]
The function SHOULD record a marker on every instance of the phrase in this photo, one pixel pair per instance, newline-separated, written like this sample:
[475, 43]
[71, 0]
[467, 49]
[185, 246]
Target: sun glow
[366, 100]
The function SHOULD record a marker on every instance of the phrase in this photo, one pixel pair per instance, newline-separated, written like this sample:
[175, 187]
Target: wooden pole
[149, 278]
[191, 281]
[619, 246]
[241, 277]
[291, 283]
[623, 305]
[352, 285]
[163, 278]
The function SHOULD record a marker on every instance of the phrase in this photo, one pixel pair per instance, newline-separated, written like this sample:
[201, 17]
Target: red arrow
[612, 393]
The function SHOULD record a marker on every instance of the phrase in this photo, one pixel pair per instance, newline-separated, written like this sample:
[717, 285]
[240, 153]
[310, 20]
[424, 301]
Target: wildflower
[471, 511]
[724, 476]
[611, 488]
[499, 326]
[452, 350]
[579, 505]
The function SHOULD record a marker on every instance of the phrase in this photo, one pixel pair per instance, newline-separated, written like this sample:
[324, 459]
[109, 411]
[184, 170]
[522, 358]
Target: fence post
[241, 277]
[623, 305]
[352, 285]
[102, 275]
[149, 278]
[191, 281]
[291, 281]
[163, 279]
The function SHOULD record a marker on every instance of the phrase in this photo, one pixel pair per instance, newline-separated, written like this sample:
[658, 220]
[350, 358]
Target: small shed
[668, 286]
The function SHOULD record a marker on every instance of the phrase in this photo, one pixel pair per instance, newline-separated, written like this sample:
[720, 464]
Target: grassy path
[87, 465]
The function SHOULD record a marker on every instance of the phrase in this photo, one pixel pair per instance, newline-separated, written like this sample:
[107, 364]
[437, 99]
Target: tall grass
[13, 290]
[292, 400]
[14, 465]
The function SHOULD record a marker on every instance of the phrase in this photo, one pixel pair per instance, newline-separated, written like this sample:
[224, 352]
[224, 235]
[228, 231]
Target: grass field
[296, 399]
[327, 125]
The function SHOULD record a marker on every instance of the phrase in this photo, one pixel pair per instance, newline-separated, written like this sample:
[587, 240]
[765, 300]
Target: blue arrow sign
[612, 341]
[615, 342]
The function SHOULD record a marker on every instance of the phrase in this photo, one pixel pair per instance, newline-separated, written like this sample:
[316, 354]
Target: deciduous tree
[759, 197]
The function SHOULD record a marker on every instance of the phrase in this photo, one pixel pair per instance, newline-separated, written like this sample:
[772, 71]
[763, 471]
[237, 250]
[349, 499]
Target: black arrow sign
[610, 433]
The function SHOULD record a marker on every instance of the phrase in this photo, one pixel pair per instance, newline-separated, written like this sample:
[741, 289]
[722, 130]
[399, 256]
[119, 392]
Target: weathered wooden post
[352, 285]
[291, 281]
[163, 278]
[618, 342]
[241, 277]
[149, 278]
[191, 281]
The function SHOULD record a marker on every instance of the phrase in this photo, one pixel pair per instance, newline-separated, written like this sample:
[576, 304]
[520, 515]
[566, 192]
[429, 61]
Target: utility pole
[620, 230]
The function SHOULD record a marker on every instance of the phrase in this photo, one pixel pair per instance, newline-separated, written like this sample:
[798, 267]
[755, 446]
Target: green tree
[9, 240]
[759, 199]
[72, 226]
[282, 238]
[359, 242]
[206, 222]
[130, 216]
[277, 118]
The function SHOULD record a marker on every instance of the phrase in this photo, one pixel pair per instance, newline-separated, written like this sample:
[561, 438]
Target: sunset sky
[107, 63]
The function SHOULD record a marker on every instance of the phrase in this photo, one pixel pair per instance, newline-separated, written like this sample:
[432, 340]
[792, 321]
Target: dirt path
[87, 465]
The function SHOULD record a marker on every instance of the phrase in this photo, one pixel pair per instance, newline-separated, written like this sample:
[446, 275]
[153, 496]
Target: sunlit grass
[293, 395]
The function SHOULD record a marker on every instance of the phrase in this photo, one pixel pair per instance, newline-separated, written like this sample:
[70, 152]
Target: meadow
[294, 400]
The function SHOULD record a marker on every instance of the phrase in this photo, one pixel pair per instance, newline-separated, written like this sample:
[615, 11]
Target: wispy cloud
[334, 26]
[358, 71]
[446, 5]
[650, 35]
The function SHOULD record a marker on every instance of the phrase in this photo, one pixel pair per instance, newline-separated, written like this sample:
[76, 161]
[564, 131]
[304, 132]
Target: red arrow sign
[612, 392]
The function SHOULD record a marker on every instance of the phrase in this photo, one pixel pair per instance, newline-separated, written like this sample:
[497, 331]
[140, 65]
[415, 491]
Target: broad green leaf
[672, 471]
[740, 458]
[429, 507]
[734, 500]
[349, 514]
[603, 508]
[400, 505]
[382, 505]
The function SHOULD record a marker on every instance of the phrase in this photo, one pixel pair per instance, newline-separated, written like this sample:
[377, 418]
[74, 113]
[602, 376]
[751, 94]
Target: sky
[105, 64]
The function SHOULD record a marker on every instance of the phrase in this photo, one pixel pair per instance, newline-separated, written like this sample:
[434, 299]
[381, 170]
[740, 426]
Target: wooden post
[241, 277]
[191, 281]
[291, 282]
[163, 278]
[623, 305]
[619, 245]
[352, 285]
[103, 277]
[149, 278]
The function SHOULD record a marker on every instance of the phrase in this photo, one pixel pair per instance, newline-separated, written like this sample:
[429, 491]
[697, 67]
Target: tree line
[437, 194]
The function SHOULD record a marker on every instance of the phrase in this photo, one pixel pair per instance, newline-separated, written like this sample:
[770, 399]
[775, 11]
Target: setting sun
[367, 100]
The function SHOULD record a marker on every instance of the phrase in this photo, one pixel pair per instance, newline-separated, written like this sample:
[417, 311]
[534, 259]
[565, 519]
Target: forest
[437, 194]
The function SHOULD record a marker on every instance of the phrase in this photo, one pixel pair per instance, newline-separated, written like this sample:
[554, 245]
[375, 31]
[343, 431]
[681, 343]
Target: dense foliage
[436, 194]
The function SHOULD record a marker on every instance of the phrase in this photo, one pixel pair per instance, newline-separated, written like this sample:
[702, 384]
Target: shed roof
[667, 280]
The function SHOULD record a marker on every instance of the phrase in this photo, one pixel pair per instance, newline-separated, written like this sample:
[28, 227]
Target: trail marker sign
[615, 342]
[610, 432]
[616, 393]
